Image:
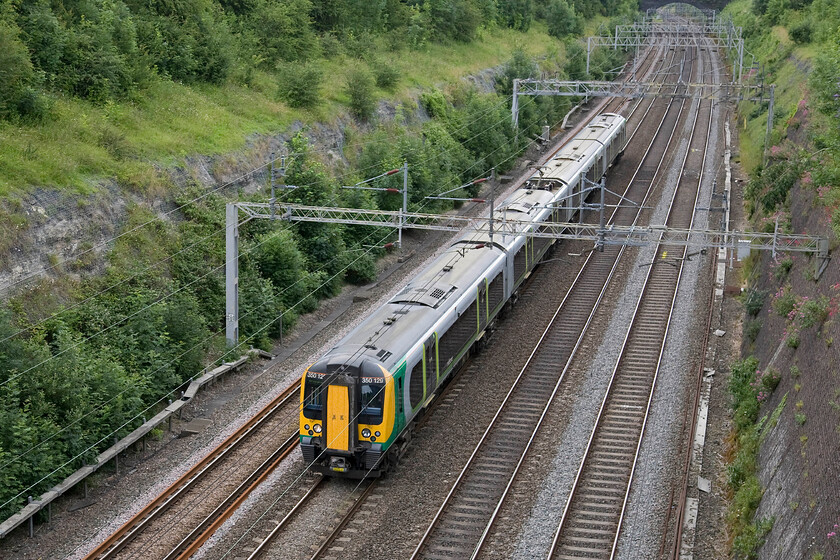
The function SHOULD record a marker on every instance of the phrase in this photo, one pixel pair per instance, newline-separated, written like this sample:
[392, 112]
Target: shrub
[753, 301]
[801, 32]
[814, 312]
[752, 329]
[782, 268]
[745, 546]
[299, 85]
[385, 74]
[783, 301]
[360, 90]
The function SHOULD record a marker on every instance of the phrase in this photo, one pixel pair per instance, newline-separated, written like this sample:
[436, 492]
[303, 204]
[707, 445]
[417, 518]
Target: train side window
[519, 263]
[415, 385]
[497, 292]
[400, 395]
[456, 338]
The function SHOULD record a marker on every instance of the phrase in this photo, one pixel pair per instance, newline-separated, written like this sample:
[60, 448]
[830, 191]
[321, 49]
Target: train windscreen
[372, 402]
[313, 397]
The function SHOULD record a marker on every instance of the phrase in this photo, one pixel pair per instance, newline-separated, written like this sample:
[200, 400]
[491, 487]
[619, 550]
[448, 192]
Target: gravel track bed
[541, 491]
[189, 510]
[656, 486]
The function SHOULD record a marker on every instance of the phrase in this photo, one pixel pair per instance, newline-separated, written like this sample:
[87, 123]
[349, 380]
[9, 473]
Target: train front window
[313, 398]
[372, 402]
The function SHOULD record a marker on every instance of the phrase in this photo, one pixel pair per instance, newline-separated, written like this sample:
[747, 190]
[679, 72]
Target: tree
[516, 14]
[562, 20]
[360, 91]
[453, 19]
[17, 75]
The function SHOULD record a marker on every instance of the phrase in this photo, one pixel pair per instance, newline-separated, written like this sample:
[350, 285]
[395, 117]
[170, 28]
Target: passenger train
[359, 401]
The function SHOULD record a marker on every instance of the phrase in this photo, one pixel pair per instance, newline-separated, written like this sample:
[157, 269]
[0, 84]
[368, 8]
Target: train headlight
[317, 428]
[373, 439]
[365, 433]
[306, 427]
[376, 433]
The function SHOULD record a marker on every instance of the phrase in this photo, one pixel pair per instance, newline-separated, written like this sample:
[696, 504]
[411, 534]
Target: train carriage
[359, 401]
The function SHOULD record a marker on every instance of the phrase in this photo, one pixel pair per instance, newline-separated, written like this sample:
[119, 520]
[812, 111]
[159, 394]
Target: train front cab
[346, 418]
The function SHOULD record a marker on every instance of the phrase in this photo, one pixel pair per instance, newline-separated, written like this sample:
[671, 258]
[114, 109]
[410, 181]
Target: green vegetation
[792, 39]
[174, 79]
[748, 388]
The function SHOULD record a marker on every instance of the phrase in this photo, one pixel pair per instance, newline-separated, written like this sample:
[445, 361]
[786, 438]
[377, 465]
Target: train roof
[390, 331]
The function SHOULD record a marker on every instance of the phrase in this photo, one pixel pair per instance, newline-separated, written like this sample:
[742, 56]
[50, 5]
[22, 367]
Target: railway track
[181, 518]
[468, 512]
[592, 519]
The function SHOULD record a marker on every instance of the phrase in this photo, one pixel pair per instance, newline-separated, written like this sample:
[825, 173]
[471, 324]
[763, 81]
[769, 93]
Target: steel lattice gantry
[719, 33]
[630, 89]
[600, 236]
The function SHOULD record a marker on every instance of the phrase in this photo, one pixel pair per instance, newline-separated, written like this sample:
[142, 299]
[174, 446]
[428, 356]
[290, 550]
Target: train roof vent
[383, 355]
[430, 297]
[519, 207]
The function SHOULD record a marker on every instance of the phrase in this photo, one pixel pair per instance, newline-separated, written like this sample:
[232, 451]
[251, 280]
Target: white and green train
[358, 402]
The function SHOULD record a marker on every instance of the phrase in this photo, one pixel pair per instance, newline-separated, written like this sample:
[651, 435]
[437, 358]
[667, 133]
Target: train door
[431, 362]
[339, 420]
[483, 306]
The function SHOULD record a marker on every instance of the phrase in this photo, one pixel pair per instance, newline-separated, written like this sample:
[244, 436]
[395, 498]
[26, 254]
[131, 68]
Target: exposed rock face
[53, 227]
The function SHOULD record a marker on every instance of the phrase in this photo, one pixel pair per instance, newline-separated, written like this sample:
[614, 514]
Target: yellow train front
[347, 416]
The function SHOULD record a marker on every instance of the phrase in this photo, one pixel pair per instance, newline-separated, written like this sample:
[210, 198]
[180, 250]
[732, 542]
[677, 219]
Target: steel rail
[141, 520]
[564, 522]
[357, 503]
[508, 397]
[261, 548]
[198, 536]
[567, 366]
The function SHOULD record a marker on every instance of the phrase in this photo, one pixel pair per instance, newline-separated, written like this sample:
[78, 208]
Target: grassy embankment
[84, 141]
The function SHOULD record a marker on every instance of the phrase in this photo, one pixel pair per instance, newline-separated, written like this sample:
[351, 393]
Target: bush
[753, 301]
[801, 32]
[386, 74]
[814, 312]
[752, 329]
[783, 268]
[299, 85]
[783, 301]
[360, 90]
[745, 546]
